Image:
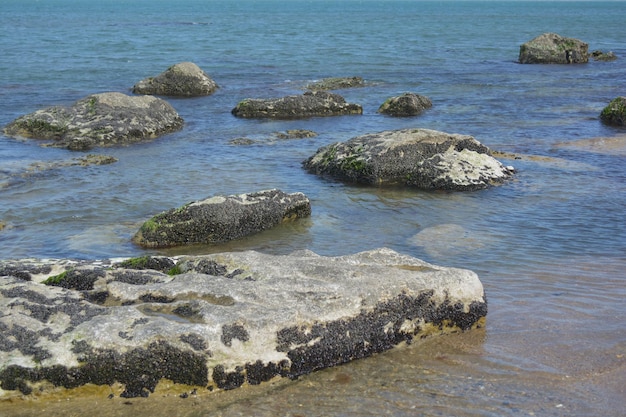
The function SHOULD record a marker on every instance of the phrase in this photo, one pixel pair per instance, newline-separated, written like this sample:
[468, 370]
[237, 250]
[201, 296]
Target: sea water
[549, 246]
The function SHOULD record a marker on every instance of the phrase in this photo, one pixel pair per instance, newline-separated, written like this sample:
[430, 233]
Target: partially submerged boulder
[550, 48]
[407, 104]
[336, 83]
[615, 112]
[104, 119]
[309, 104]
[184, 79]
[218, 321]
[222, 218]
[420, 158]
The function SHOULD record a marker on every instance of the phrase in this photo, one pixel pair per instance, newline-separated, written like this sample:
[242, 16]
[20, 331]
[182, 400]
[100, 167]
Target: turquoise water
[550, 247]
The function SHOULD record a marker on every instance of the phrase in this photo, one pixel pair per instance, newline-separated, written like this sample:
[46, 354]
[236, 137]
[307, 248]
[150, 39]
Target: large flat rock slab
[218, 321]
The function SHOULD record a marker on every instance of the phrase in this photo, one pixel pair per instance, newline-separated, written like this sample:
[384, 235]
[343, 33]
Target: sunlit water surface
[550, 246]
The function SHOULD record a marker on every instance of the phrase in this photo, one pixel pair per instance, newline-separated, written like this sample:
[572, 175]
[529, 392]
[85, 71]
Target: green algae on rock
[222, 218]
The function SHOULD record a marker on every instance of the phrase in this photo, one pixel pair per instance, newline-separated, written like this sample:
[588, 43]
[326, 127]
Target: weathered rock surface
[420, 158]
[104, 119]
[309, 104]
[184, 79]
[407, 104]
[615, 112]
[550, 48]
[222, 218]
[336, 83]
[217, 321]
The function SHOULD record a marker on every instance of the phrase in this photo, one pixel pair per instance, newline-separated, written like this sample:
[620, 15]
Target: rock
[274, 137]
[407, 104]
[104, 119]
[309, 104]
[419, 158]
[218, 321]
[603, 56]
[615, 112]
[185, 79]
[222, 218]
[336, 83]
[550, 48]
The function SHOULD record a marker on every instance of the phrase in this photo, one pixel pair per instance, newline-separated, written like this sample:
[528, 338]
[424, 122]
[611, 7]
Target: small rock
[615, 112]
[222, 218]
[185, 79]
[407, 104]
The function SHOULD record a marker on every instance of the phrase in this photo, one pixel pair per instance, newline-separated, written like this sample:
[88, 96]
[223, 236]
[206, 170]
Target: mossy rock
[615, 113]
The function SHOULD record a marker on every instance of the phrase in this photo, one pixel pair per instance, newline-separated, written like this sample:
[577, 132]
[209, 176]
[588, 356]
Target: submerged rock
[615, 112]
[309, 104]
[185, 79]
[104, 119]
[603, 56]
[222, 218]
[420, 158]
[550, 48]
[218, 321]
[407, 104]
[336, 83]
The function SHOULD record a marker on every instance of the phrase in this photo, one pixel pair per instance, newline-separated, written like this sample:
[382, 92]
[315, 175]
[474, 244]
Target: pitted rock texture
[222, 218]
[309, 104]
[218, 321]
[550, 48]
[104, 119]
[421, 158]
[407, 104]
[184, 79]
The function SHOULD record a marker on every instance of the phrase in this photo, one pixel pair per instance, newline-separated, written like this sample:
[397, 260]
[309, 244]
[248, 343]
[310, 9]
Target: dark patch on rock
[258, 371]
[196, 342]
[323, 345]
[309, 104]
[97, 297]
[228, 380]
[209, 267]
[156, 298]
[139, 370]
[234, 331]
[23, 340]
[141, 277]
[24, 271]
[157, 263]
[76, 279]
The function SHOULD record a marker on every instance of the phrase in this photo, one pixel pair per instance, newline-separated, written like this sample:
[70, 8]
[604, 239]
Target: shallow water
[550, 246]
